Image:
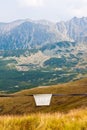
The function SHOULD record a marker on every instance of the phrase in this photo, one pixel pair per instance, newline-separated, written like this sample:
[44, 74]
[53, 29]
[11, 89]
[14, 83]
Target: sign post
[42, 99]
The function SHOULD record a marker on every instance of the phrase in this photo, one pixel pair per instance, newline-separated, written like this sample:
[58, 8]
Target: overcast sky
[53, 10]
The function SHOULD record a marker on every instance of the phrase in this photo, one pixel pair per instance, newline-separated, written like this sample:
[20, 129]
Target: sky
[52, 10]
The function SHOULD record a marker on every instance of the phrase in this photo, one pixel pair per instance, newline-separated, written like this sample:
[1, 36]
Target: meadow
[73, 120]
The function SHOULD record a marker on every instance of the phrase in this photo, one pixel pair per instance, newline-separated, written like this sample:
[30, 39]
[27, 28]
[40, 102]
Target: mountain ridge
[22, 34]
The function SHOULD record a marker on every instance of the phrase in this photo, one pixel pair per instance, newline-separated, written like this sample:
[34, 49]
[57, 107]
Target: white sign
[42, 99]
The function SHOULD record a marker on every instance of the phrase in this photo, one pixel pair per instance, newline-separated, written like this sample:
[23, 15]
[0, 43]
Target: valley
[51, 64]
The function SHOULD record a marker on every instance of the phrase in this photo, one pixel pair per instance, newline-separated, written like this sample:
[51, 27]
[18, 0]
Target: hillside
[22, 103]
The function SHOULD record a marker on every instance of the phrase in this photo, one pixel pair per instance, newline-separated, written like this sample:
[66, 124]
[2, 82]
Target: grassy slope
[74, 120]
[21, 103]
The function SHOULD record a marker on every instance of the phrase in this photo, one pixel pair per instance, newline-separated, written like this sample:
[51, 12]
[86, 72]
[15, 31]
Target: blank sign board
[42, 99]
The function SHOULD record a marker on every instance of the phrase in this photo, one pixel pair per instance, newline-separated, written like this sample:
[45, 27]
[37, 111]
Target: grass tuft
[74, 120]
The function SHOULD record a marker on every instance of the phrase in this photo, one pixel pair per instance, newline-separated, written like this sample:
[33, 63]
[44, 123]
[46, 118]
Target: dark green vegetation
[53, 70]
[13, 80]
[22, 103]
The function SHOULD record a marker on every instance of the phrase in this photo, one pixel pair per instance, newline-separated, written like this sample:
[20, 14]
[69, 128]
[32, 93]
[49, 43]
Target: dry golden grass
[74, 120]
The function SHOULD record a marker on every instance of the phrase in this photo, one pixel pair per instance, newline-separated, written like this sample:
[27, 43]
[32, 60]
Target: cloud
[31, 3]
[66, 9]
[77, 8]
[54, 10]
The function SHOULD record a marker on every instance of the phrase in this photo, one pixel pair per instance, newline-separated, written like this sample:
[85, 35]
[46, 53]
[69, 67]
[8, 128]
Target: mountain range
[23, 34]
[40, 53]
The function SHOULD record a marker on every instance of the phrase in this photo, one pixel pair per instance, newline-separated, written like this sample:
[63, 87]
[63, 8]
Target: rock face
[75, 29]
[23, 34]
